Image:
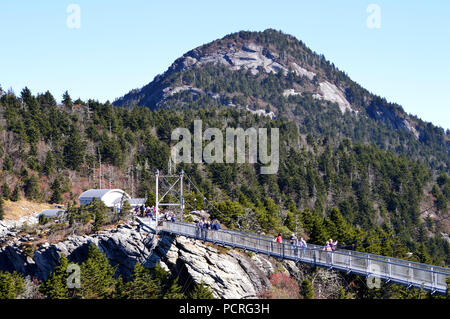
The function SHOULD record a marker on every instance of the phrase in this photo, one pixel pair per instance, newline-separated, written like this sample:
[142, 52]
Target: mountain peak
[270, 72]
[265, 52]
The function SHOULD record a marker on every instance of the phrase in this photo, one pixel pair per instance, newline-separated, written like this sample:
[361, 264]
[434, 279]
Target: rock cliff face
[229, 273]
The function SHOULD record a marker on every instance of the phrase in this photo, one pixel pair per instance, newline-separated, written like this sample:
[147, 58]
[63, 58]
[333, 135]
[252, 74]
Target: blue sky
[122, 45]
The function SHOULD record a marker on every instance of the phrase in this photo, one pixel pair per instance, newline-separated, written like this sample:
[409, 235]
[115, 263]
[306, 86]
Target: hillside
[353, 167]
[274, 72]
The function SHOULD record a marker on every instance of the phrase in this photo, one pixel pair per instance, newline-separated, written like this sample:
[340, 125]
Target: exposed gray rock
[229, 273]
[8, 228]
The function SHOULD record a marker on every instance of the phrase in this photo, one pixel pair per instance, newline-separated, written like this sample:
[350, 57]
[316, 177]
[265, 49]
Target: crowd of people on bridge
[150, 212]
[299, 244]
[204, 225]
[145, 211]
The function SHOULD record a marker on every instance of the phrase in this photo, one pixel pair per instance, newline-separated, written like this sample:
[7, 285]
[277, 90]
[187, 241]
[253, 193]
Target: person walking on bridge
[215, 226]
[333, 245]
[204, 229]
[199, 229]
[294, 244]
[329, 249]
[279, 239]
[303, 245]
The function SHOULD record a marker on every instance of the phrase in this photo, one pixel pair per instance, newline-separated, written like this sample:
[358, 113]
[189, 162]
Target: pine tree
[423, 255]
[31, 188]
[201, 291]
[174, 290]
[307, 289]
[55, 287]
[142, 285]
[151, 201]
[11, 285]
[121, 289]
[98, 212]
[67, 100]
[15, 196]
[125, 210]
[97, 275]
[49, 164]
[73, 151]
[166, 285]
[56, 197]
[6, 191]
[319, 233]
[2, 209]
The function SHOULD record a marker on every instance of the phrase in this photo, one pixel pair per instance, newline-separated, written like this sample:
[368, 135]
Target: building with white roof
[51, 212]
[110, 197]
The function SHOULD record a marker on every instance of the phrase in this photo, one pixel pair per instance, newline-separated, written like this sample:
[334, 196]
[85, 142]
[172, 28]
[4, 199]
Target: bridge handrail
[354, 254]
[400, 271]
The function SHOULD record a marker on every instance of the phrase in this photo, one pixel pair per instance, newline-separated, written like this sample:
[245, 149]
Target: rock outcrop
[8, 228]
[229, 273]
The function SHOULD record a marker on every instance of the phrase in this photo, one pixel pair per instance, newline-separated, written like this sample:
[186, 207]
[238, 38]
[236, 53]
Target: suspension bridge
[390, 270]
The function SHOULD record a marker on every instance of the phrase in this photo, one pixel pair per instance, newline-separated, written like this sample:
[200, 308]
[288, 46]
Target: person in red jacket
[279, 239]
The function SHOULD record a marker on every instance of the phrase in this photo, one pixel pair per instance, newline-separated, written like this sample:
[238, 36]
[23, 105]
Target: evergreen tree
[46, 100]
[307, 289]
[319, 233]
[2, 209]
[97, 275]
[423, 255]
[56, 197]
[67, 100]
[43, 219]
[142, 285]
[15, 196]
[174, 290]
[151, 199]
[97, 211]
[6, 191]
[11, 285]
[201, 291]
[31, 188]
[55, 287]
[73, 151]
[49, 164]
[121, 290]
[166, 284]
[125, 210]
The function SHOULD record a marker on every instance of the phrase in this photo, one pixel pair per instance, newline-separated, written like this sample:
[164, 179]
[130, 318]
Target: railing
[411, 274]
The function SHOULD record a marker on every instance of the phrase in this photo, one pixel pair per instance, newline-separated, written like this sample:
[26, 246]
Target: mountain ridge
[290, 75]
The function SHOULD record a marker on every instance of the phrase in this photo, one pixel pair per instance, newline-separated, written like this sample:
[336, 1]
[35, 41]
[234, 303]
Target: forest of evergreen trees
[369, 199]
